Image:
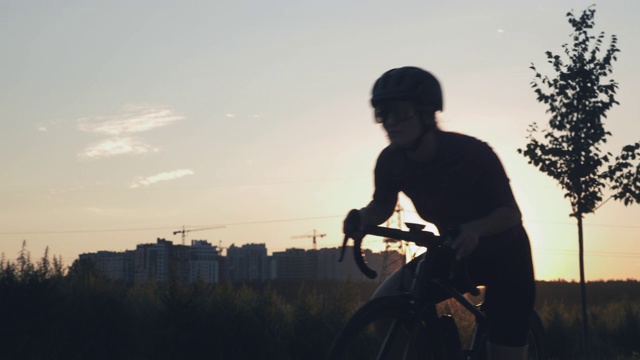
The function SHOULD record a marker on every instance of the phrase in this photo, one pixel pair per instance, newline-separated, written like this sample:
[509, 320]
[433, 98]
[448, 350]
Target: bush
[80, 314]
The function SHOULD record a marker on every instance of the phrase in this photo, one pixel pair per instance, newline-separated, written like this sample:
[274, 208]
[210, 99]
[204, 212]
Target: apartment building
[151, 262]
[202, 262]
[323, 264]
[248, 262]
[160, 262]
[114, 265]
[294, 264]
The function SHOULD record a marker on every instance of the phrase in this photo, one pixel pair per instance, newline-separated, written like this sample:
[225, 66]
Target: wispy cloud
[121, 129]
[104, 211]
[116, 146]
[46, 126]
[164, 176]
[134, 119]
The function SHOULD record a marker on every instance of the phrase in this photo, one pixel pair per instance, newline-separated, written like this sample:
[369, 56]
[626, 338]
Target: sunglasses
[400, 112]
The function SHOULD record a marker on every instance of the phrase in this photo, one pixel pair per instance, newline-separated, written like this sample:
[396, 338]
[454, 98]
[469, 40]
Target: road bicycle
[408, 326]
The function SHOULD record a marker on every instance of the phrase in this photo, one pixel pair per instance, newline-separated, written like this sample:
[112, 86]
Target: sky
[124, 121]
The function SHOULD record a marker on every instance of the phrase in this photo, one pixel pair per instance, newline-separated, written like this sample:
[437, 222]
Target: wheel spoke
[388, 340]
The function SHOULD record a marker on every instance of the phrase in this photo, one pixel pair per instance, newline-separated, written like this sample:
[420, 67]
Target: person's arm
[499, 220]
[375, 213]
[385, 196]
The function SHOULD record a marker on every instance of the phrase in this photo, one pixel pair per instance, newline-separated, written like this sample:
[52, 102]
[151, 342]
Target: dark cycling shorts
[507, 274]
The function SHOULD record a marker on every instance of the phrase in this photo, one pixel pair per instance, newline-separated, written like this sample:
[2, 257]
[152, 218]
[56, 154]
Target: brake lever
[357, 256]
[352, 217]
[359, 259]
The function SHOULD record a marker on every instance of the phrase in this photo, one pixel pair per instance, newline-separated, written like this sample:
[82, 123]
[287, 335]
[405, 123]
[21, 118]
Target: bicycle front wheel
[384, 328]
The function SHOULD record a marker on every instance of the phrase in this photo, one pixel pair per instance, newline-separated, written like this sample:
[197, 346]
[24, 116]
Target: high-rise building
[203, 262]
[295, 264]
[151, 262]
[113, 265]
[247, 263]
[179, 263]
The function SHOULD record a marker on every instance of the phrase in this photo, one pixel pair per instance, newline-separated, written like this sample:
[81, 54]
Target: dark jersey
[465, 181]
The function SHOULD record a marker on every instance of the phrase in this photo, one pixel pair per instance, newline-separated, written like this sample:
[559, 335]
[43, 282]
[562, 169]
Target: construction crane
[220, 248]
[184, 231]
[313, 236]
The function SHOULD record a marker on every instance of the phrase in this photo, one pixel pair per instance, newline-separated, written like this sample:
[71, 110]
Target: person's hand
[353, 224]
[464, 243]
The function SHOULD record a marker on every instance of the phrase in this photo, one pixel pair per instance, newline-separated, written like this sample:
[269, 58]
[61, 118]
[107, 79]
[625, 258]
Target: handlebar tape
[362, 265]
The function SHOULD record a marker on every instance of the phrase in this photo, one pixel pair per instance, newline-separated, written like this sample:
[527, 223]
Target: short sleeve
[493, 183]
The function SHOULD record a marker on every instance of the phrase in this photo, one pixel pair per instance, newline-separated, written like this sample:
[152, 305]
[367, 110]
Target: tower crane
[220, 247]
[313, 236]
[184, 231]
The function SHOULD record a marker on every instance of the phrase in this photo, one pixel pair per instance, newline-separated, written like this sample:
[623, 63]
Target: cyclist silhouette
[456, 182]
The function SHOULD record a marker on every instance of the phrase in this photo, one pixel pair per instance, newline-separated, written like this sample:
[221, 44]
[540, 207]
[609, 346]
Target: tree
[25, 266]
[578, 98]
[43, 270]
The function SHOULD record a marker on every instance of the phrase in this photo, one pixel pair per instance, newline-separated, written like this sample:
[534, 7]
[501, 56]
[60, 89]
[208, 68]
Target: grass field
[49, 312]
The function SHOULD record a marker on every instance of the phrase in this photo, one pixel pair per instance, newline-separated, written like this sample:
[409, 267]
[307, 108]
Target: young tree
[43, 269]
[25, 266]
[58, 267]
[578, 98]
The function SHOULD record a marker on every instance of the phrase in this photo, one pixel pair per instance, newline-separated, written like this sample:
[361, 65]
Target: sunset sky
[124, 121]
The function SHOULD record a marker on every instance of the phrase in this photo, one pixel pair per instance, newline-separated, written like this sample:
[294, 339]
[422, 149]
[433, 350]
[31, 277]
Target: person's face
[401, 121]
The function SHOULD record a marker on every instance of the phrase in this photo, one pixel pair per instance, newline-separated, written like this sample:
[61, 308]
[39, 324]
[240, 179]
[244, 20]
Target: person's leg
[509, 298]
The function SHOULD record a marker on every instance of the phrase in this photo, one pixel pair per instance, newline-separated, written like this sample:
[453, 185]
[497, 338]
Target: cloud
[116, 146]
[164, 176]
[121, 130]
[46, 126]
[134, 119]
[104, 211]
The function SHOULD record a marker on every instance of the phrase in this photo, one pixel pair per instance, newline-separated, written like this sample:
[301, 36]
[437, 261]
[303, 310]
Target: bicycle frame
[425, 309]
[420, 305]
[417, 304]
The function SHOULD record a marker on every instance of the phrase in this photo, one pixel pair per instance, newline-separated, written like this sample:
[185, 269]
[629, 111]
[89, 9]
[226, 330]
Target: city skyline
[201, 261]
[127, 121]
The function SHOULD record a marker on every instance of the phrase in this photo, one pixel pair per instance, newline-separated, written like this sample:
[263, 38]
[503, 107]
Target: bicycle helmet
[408, 83]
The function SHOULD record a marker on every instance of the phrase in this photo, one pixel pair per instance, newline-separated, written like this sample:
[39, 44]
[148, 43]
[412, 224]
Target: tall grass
[49, 313]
